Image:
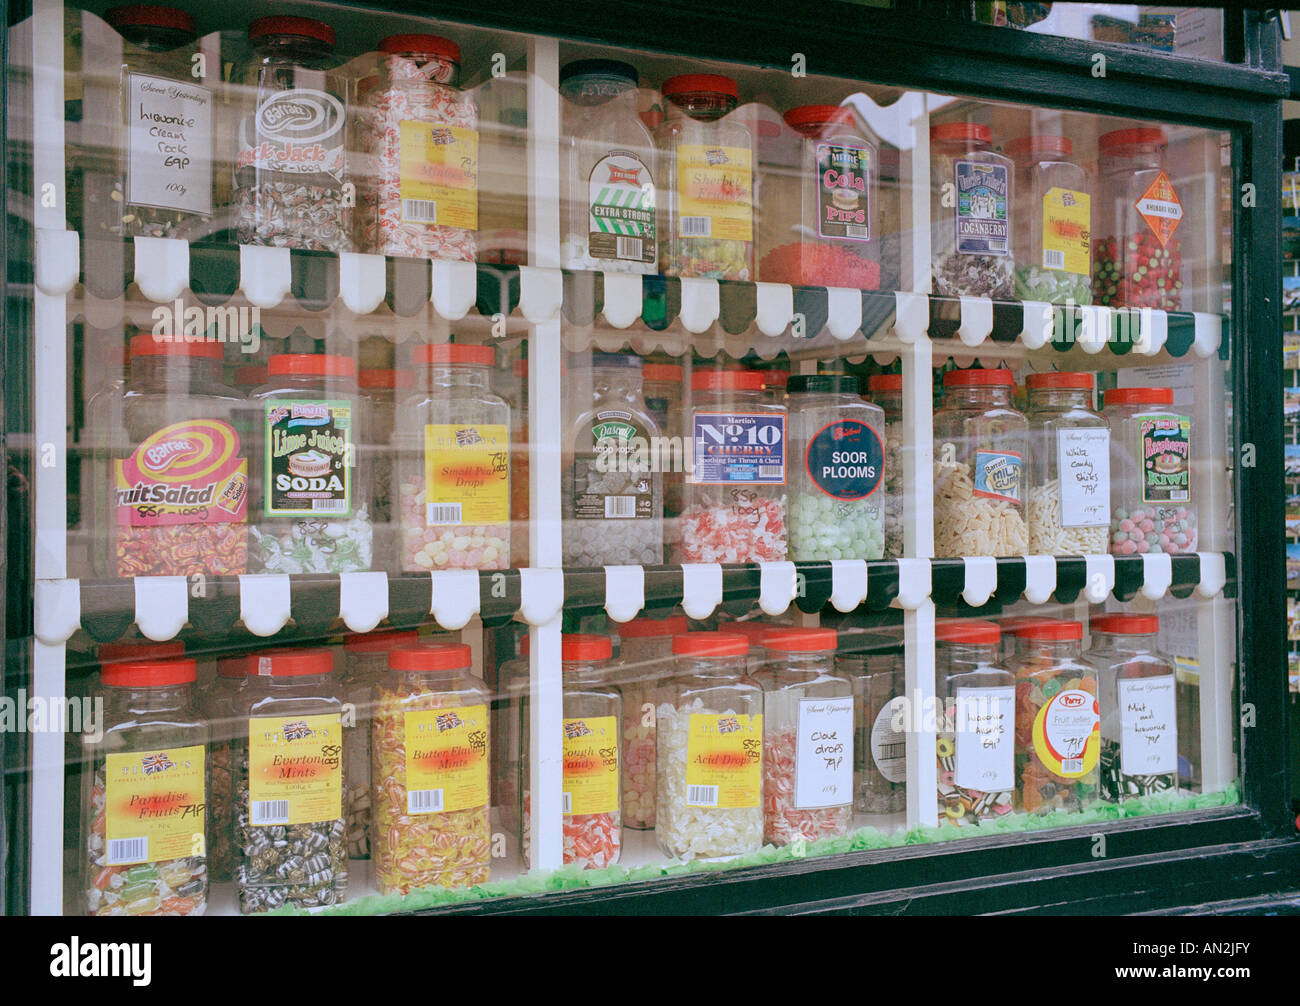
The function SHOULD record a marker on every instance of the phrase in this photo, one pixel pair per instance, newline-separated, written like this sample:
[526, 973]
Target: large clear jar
[981, 445]
[293, 188]
[1139, 707]
[217, 704]
[807, 737]
[176, 499]
[290, 829]
[837, 444]
[311, 484]
[512, 684]
[365, 657]
[612, 492]
[735, 496]
[1013, 645]
[592, 830]
[1137, 259]
[873, 662]
[709, 750]
[1058, 725]
[1068, 504]
[971, 213]
[886, 390]
[976, 743]
[664, 384]
[430, 758]
[753, 630]
[830, 234]
[452, 442]
[607, 171]
[1152, 446]
[520, 505]
[641, 672]
[706, 164]
[419, 139]
[382, 388]
[144, 801]
[1052, 226]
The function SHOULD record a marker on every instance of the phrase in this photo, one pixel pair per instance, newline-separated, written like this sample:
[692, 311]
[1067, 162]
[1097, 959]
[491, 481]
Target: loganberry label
[621, 209]
[295, 769]
[845, 460]
[297, 132]
[309, 458]
[186, 473]
[1165, 446]
[590, 765]
[439, 174]
[446, 759]
[981, 216]
[154, 805]
[997, 475]
[1161, 208]
[742, 448]
[1067, 733]
[844, 192]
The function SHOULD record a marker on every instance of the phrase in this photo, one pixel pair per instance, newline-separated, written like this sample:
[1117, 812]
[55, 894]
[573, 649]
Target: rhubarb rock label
[185, 473]
[309, 458]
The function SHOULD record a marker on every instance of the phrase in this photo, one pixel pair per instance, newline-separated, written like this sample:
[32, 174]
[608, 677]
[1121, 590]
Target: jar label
[746, 448]
[295, 769]
[439, 174]
[1067, 733]
[1067, 236]
[1165, 447]
[154, 805]
[844, 191]
[612, 476]
[985, 740]
[1083, 464]
[997, 475]
[309, 458]
[982, 220]
[621, 209]
[1161, 208]
[845, 459]
[467, 474]
[446, 759]
[169, 144]
[823, 758]
[888, 743]
[590, 783]
[715, 192]
[295, 132]
[1148, 726]
[724, 760]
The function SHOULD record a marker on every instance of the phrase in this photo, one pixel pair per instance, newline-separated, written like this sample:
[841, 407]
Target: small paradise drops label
[155, 802]
[446, 759]
[724, 760]
[295, 769]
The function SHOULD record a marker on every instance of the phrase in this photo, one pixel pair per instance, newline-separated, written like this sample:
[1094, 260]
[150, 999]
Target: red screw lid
[579, 646]
[1051, 630]
[139, 649]
[662, 372]
[1131, 138]
[290, 663]
[654, 628]
[1064, 379]
[1041, 143]
[1014, 624]
[705, 83]
[1126, 625]
[236, 666]
[304, 26]
[379, 642]
[147, 345]
[801, 640]
[312, 365]
[422, 45]
[1140, 396]
[379, 378]
[961, 131]
[999, 378]
[752, 631]
[806, 117]
[967, 630]
[727, 380]
[885, 382]
[150, 15]
[711, 644]
[149, 673]
[431, 657]
[455, 352]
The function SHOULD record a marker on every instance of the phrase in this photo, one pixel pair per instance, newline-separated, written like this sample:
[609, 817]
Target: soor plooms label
[467, 472]
[715, 192]
[446, 759]
[1067, 733]
[295, 769]
[724, 760]
[1067, 243]
[590, 765]
[439, 174]
[154, 807]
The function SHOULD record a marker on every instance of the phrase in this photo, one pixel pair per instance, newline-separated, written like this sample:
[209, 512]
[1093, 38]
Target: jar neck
[800, 662]
[1054, 649]
[427, 681]
[592, 91]
[154, 38]
[647, 648]
[459, 376]
[1127, 642]
[891, 402]
[582, 672]
[1060, 398]
[1132, 159]
[956, 148]
[311, 683]
[703, 106]
[981, 396]
[616, 383]
[168, 698]
[712, 667]
[969, 654]
[295, 49]
[175, 369]
[419, 68]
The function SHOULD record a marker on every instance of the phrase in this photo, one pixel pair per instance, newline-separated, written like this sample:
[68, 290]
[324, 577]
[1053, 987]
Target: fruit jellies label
[590, 748]
[985, 739]
[843, 192]
[295, 769]
[724, 760]
[169, 146]
[981, 214]
[446, 759]
[438, 174]
[621, 209]
[1165, 447]
[467, 470]
[745, 448]
[611, 469]
[1067, 733]
[715, 192]
[1067, 223]
[154, 807]
[309, 458]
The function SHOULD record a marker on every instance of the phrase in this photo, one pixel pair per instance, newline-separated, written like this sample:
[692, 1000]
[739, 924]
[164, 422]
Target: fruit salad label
[439, 174]
[446, 759]
[724, 760]
[715, 192]
[154, 807]
[738, 448]
[621, 209]
[295, 769]
[845, 459]
[844, 191]
[1067, 236]
[467, 472]
[1165, 450]
[169, 144]
[590, 748]
[1161, 208]
[309, 458]
[186, 473]
[1067, 733]
[997, 475]
[981, 217]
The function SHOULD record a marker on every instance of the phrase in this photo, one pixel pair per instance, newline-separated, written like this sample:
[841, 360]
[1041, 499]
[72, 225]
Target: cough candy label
[846, 460]
[1165, 447]
[295, 769]
[724, 760]
[467, 470]
[621, 209]
[155, 803]
[981, 215]
[715, 192]
[439, 174]
[446, 759]
[1067, 733]
[738, 448]
[309, 458]
[997, 475]
[296, 132]
[590, 766]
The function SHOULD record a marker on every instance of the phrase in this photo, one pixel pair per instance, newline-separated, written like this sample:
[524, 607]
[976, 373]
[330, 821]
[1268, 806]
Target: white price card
[1083, 462]
[986, 739]
[824, 753]
[1149, 727]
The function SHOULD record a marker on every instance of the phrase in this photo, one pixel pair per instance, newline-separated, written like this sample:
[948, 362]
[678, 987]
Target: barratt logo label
[300, 115]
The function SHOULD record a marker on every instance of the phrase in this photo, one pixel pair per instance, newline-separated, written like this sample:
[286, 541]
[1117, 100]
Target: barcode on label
[620, 506]
[329, 506]
[771, 472]
[628, 248]
[1053, 258]
[442, 513]
[420, 211]
[1179, 496]
[701, 796]
[269, 812]
[696, 227]
[998, 245]
[566, 803]
[128, 850]
[423, 801]
[856, 231]
[1072, 766]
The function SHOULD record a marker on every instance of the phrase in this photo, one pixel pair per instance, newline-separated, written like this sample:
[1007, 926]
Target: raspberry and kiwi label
[309, 458]
[1161, 208]
[844, 191]
[845, 460]
[981, 214]
[621, 209]
[1067, 733]
[1165, 446]
[185, 473]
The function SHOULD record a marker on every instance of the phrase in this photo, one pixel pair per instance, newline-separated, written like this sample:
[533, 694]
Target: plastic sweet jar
[1013, 645]
[735, 499]
[838, 498]
[981, 445]
[886, 390]
[975, 743]
[1137, 259]
[519, 465]
[611, 489]
[512, 684]
[1068, 503]
[292, 185]
[753, 630]
[419, 134]
[176, 500]
[641, 672]
[452, 442]
[1051, 239]
[311, 483]
[365, 657]
[1058, 724]
[835, 239]
[592, 831]
[1139, 707]
[663, 384]
[217, 704]
[709, 748]
[706, 164]
[873, 663]
[608, 168]
[290, 830]
[432, 822]
[143, 802]
[807, 737]
[971, 213]
[382, 388]
[1151, 450]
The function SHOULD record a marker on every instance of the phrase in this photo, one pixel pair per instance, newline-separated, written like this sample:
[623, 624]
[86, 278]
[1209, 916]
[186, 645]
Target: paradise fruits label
[446, 759]
[185, 473]
[1067, 733]
[295, 769]
[1160, 207]
[724, 760]
[590, 765]
[154, 805]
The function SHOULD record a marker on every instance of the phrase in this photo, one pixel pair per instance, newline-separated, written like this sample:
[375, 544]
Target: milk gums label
[997, 475]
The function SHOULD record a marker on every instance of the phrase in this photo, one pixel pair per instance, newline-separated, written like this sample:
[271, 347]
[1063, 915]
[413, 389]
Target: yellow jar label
[590, 765]
[154, 805]
[295, 769]
[724, 761]
[1067, 733]
[446, 759]
[715, 192]
[439, 174]
[1067, 238]
[466, 474]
